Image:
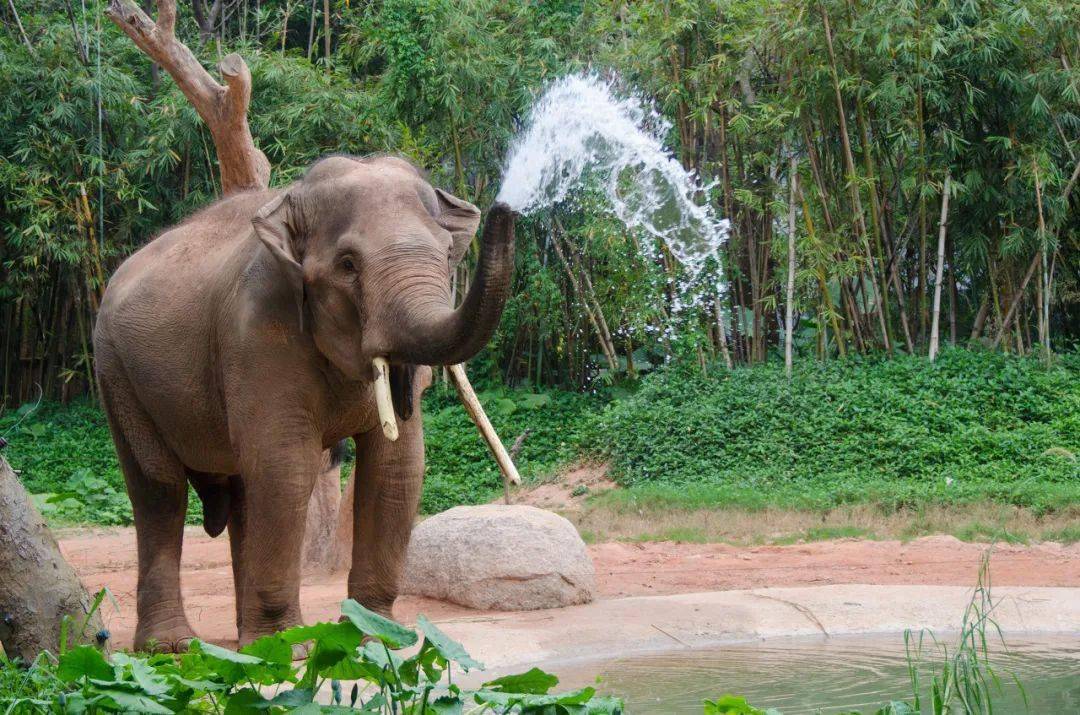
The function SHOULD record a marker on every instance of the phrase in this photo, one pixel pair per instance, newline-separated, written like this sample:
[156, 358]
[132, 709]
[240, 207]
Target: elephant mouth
[393, 385]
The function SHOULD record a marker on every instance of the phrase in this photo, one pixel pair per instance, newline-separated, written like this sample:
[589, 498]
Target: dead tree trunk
[38, 588]
[224, 108]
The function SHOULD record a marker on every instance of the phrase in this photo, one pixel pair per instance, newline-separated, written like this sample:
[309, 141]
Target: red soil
[106, 557]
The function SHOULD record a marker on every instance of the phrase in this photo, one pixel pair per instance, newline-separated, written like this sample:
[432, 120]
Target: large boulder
[499, 557]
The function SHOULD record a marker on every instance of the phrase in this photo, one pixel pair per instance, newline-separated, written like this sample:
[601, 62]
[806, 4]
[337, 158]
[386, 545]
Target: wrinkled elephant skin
[236, 347]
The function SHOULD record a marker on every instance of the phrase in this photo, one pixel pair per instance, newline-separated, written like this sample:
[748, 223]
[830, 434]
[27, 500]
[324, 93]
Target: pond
[828, 675]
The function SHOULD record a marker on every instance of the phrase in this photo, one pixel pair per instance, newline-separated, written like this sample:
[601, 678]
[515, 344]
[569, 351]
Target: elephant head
[369, 248]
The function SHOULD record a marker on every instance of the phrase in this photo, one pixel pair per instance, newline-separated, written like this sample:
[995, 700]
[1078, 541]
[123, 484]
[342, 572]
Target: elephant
[237, 346]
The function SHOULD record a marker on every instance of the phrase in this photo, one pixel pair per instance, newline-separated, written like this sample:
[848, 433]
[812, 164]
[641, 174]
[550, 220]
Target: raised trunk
[449, 336]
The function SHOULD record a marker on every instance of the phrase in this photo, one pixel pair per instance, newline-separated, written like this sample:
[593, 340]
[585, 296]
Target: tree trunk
[224, 108]
[789, 310]
[326, 34]
[38, 588]
[1017, 299]
[939, 274]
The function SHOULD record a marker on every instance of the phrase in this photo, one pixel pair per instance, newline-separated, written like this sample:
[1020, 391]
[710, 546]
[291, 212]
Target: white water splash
[579, 126]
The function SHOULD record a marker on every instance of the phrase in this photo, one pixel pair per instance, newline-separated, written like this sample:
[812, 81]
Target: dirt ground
[106, 557]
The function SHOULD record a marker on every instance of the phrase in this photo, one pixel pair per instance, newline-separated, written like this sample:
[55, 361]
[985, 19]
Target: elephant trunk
[448, 336]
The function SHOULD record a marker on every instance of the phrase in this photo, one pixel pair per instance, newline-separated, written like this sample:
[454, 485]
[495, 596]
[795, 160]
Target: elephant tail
[216, 500]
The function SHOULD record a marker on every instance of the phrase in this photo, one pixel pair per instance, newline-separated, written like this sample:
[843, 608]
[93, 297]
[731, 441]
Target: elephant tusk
[479, 417]
[383, 400]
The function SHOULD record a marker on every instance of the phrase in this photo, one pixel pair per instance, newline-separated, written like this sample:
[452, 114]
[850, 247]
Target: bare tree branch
[224, 108]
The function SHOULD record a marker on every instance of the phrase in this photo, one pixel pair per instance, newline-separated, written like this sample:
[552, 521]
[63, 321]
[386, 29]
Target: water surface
[828, 675]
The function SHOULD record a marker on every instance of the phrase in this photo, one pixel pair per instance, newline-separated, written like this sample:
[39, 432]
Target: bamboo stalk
[849, 164]
[1017, 299]
[722, 337]
[789, 311]
[939, 273]
[1044, 284]
[605, 346]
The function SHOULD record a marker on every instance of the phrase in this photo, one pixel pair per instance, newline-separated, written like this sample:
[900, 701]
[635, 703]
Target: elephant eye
[347, 264]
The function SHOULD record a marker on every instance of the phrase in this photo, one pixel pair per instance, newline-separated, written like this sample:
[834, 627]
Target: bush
[972, 425]
[460, 470]
[66, 456]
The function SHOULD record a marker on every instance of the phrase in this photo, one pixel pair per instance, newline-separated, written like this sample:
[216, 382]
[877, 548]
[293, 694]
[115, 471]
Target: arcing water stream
[581, 127]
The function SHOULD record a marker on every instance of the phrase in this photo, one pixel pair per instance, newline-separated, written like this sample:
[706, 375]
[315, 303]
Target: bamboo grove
[899, 174]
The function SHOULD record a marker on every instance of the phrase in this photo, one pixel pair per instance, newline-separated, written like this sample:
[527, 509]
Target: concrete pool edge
[641, 624]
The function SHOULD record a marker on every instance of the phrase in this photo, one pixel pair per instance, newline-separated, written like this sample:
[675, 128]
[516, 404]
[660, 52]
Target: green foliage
[973, 425]
[460, 469]
[66, 458]
[262, 677]
[65, 454]
[986, 93]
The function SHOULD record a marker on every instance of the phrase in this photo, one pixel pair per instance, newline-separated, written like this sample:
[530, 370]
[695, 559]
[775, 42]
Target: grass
[618, 515]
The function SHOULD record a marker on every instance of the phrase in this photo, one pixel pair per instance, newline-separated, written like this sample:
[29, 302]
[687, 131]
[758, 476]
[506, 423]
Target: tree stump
[38, 588]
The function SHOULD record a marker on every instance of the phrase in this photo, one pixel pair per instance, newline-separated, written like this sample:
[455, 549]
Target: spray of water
[580, 127]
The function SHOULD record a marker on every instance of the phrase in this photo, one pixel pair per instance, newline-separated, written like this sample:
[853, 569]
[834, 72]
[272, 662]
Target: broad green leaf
[246, 701]
[219, 653]
[730, 705]
[83, 661]
[497, 697]
[370, 623]
[293, 698]
[533, 401]
[150, 681]
[535, 681]
[445, 645]
[342, 635]
[272, 649]
[132, 702]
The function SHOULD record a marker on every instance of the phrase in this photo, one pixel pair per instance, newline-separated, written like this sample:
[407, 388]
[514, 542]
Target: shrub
[971, 425]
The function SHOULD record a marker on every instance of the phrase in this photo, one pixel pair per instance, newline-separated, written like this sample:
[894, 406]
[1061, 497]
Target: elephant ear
[273, 226]
[461, 219]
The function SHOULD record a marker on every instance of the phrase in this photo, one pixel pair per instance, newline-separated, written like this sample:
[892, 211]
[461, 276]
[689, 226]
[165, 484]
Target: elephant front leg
[276, 491]
[389, 476]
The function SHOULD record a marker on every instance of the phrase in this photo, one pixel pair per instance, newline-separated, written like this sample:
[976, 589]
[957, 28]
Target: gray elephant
[233, 349]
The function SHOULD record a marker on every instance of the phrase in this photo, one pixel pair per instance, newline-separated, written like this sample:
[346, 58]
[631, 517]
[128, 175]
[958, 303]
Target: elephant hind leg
[157, 487]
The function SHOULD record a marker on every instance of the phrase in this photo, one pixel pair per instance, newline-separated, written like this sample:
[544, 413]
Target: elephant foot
[270, 627]
[167, 636]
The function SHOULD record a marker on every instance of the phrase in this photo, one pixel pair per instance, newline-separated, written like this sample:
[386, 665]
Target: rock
[499, 557]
